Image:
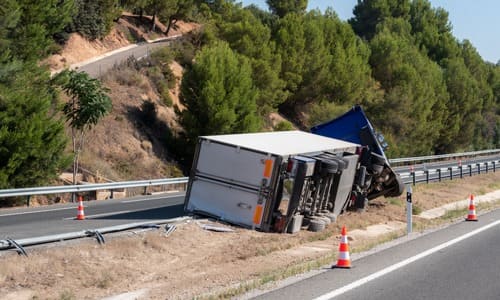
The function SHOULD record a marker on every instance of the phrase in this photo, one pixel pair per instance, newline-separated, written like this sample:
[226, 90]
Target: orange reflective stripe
[257, 215]
[268, 167]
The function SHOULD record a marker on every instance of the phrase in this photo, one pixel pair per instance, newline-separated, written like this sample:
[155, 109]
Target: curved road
[98, 66]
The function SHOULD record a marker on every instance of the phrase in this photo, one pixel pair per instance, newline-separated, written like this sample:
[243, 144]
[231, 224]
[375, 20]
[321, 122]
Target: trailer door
[231, 183]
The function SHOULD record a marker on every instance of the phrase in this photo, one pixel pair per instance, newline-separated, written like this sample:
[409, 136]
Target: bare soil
[193, 262]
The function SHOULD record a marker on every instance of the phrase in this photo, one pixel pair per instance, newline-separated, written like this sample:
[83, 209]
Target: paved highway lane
[458, 262]
[56, 219]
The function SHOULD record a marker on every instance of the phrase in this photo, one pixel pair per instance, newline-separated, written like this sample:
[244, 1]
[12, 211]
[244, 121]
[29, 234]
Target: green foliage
[368, 14]
[218, 94]
[283, 7]
[283, 126]
[249, 37]
[432, 31]
[89, 102]
[32, 139]
[35, 24]
[413, 107]
[291, 42]
[325, 111]
[94, 19]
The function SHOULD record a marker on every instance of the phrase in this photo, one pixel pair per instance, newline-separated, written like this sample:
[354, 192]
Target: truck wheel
[316, 225]
[361, 203]
[377, 159]
[324, 219]
[397, 189]
[377, 169]
[332, 217]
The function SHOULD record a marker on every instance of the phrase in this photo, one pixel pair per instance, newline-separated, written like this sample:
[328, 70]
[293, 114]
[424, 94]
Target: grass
[270, 277]
[67, 295]
[395, 201]
[416, 210]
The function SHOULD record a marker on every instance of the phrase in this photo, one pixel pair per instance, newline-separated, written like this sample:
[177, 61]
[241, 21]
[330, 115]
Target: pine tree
[32, 139]
[219, 95]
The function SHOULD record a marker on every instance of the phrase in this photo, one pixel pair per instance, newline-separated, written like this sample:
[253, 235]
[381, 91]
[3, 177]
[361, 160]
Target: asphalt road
[60, 218]
[458, 262]
[99, 67]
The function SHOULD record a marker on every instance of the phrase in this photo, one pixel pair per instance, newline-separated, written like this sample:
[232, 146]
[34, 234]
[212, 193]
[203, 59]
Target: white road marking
[101, 215]
[401, 264]
[37, 211]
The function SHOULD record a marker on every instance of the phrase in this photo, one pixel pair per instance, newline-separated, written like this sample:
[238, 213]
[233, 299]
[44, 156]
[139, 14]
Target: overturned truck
[282, 181]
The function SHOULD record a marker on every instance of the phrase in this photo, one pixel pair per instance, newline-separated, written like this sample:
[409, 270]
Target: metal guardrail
[7, 244]
[89, 187]
[451, 172]
[443, 156]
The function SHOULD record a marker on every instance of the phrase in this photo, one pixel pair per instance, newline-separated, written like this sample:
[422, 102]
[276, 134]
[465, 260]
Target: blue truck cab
[375, 176]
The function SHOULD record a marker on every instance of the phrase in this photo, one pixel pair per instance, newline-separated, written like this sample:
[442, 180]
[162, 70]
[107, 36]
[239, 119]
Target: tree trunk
[171, 23]
[153, 23]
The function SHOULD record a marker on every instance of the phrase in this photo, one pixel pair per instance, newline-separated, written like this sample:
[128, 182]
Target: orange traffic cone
[472, 210]
[344, 261]
[80, 215]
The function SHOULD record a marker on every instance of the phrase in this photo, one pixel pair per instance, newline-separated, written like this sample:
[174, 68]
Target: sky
[477, 21]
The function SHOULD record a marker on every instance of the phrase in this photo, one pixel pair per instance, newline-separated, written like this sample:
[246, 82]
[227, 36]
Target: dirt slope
[122, 146]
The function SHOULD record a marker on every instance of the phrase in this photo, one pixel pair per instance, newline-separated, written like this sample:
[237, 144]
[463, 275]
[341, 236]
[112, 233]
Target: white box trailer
[271, 181]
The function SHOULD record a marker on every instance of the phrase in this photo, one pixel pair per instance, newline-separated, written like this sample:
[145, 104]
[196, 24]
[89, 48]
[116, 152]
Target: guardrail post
[451, 172]
[414, 179]
[409, 210]
[486, 164]
[145, 190]
[439, 174]
[111, 194]
[478, 168]
[28, 200]
[494, 167]
[426, 176]
[461, 172]
[470, 170]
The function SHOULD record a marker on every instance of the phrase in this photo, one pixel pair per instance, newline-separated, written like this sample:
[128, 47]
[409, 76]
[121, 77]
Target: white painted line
[36, 211]
[101, 215]
[401, 264]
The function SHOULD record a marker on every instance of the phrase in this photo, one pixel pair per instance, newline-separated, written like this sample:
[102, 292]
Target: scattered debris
[169, 228]
[214, 228]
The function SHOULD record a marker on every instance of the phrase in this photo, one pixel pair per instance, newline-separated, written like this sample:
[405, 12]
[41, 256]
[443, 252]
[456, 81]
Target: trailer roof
[283, 142]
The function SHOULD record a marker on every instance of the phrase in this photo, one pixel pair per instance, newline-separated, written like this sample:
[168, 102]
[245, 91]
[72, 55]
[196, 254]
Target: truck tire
[398, 187]
[377, 159]
[316, 225]
[324, 219]
[361, 203]
[332, 217]
[377, 169]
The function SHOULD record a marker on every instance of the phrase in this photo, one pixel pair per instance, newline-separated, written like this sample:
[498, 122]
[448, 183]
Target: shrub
[283, 126]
